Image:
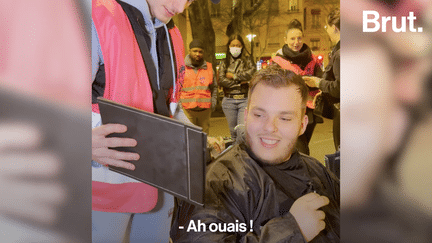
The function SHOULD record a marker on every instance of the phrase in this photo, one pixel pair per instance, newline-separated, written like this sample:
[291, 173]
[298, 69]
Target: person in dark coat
[264, 190]
[329, 84]
[234, 76]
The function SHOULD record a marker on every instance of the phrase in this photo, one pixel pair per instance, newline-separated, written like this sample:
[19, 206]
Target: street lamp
[250, 37]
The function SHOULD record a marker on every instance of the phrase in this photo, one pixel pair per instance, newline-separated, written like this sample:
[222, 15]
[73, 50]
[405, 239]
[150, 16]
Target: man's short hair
[277, 77]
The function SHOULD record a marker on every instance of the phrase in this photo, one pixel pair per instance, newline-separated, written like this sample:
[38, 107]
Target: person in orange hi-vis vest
[199, 94]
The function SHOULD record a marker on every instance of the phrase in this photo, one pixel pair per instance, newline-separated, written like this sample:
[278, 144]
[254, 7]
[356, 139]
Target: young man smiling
[288, 196]
[274, 122]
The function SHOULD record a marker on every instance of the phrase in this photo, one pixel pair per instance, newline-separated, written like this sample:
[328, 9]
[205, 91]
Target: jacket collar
[301, 58]
[141, 5]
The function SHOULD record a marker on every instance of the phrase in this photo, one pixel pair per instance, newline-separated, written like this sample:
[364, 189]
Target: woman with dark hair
[234, 76]
[329, 84]
[297, 57]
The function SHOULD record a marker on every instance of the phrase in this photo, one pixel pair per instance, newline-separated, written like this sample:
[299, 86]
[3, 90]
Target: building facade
[268, 25]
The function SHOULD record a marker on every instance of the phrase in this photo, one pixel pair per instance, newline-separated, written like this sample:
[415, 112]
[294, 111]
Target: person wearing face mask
[234, 76]
[298, 57]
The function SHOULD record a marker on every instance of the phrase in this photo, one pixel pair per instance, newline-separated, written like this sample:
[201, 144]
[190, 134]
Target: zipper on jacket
[310, 187]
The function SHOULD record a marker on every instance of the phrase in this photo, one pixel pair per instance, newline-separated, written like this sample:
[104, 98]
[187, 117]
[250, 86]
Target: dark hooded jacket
[243, 70]
[330, 82]
[241, 190]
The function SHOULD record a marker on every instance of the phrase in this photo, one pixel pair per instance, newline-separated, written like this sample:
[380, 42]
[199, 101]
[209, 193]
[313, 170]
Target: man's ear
[245, 114]
[304, 124]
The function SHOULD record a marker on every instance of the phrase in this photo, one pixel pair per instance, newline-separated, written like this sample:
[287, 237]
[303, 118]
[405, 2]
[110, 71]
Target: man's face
[164, 10]
[196, 54]
[274, 121]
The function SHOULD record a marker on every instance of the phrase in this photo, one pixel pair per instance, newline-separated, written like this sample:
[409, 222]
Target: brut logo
[371, 18]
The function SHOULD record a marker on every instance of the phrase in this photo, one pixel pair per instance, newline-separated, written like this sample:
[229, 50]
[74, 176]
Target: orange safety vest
[309, 70]
[196, 88]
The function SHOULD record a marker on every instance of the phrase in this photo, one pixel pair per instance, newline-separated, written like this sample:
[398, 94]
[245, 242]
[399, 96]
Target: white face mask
[235, 51]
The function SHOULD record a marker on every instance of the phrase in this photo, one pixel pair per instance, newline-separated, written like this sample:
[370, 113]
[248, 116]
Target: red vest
[127, 82]
[285, 64]
[309, 70]
[196, 91]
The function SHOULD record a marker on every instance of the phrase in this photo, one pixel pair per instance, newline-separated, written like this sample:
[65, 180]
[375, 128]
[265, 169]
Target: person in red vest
[298, 57]
[199, 93]
[137, 60]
